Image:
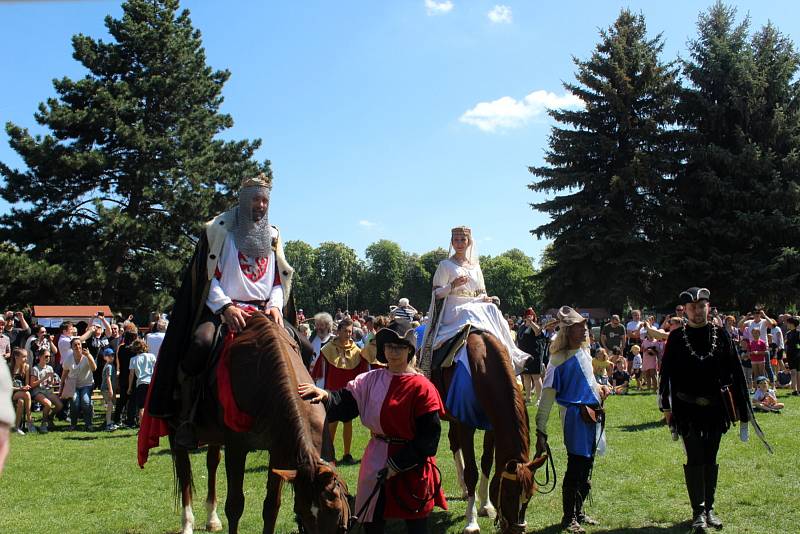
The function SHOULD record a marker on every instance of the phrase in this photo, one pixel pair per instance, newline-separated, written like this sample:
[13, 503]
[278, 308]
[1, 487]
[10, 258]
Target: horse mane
[510, 403]
[274, 402]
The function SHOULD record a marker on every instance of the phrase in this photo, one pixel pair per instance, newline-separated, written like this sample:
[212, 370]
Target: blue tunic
[574, 384]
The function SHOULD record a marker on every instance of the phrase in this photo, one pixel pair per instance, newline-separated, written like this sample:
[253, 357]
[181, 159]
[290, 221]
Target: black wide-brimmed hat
[694, 294]
[398, 331]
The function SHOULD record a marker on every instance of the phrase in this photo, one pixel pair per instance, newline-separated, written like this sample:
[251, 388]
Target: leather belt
[390, 440]
[699, 401]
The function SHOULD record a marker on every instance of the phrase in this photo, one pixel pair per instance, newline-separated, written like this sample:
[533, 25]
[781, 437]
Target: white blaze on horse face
[314, 511]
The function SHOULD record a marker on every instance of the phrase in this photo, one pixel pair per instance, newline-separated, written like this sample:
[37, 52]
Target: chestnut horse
[265, 368]
[496, 389]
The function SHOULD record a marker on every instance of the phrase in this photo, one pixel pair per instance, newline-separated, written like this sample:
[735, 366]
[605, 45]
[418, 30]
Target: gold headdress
[262, 180]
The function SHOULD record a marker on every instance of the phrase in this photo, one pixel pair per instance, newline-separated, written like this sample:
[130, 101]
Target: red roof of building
[70, 311]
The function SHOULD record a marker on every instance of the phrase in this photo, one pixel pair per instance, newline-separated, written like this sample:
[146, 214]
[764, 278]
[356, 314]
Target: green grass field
[77, 482]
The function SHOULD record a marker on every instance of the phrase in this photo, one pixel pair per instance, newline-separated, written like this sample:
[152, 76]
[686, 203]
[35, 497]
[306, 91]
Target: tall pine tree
[737, 193]
[613, 162]
[132, 166]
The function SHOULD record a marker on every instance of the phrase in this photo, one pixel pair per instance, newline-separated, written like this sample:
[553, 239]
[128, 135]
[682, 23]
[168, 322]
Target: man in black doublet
[702, 392]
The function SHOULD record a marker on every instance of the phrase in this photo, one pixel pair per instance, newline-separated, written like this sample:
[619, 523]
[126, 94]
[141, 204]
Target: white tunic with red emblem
[240, 279]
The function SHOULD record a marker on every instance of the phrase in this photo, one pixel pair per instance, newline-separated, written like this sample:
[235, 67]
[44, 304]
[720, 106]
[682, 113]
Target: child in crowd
[650, 367]
[620, 380]
[108, 386]
[764, 398]
[757, 350]
[602, 367]
[141, 371]
[636, 353]
[616, 354]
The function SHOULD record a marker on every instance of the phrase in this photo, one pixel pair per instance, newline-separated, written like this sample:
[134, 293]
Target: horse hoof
[487, 511]
[214, 526]
[470, 529]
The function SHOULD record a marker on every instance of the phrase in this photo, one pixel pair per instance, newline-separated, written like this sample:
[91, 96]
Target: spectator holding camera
[98, 341]
[38, 342]
[156, 337]
[123, 361]
[17, 335]
[82, 379]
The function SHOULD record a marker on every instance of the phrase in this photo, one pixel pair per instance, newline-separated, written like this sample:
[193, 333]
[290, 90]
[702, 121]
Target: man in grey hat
[569, 381]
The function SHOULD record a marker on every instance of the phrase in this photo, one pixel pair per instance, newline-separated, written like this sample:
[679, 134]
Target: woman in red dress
[398, 477]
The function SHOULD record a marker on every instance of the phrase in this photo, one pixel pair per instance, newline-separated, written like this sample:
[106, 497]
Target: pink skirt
[649, 362]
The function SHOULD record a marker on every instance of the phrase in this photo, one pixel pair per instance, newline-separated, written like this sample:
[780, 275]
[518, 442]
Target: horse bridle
[342, 498]
[502, 522]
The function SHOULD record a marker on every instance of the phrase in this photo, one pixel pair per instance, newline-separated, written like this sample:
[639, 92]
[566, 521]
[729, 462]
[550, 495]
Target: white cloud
[366, 224]
[507, 112]
[500, 14]
[438, 8]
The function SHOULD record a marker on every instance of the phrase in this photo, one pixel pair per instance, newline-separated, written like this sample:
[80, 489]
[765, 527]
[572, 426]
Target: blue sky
[383, 120]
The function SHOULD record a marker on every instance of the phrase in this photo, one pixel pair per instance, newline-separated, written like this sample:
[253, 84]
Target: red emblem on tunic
[253, 268]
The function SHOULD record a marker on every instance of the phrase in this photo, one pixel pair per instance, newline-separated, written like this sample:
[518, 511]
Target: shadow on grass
[438, 521]
[257, 469]
[641, 426]
[165, 451]
[675, 528]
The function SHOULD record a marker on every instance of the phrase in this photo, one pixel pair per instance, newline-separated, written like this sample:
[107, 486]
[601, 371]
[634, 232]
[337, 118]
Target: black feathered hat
[398, 331]
[694, 294]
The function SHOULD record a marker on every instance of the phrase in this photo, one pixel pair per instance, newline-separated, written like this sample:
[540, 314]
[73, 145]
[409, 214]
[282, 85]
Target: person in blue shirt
[569, 381]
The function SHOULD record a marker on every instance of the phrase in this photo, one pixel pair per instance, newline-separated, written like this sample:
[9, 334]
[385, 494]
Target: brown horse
[265, 368]
[496, 389]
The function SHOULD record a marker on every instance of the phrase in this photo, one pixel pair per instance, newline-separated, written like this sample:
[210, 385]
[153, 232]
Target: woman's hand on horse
[311, 393]
[235, 318]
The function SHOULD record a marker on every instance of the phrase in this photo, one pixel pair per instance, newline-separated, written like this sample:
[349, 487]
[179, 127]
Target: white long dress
[465, 304]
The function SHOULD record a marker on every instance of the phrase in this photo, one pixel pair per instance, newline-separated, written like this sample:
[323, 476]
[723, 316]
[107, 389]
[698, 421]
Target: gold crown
[262, 180]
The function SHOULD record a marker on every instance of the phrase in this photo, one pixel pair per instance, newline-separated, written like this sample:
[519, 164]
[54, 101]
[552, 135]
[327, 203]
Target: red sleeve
[428, 399]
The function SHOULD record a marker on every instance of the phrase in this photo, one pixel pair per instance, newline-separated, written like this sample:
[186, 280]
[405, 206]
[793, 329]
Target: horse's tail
[181, 473]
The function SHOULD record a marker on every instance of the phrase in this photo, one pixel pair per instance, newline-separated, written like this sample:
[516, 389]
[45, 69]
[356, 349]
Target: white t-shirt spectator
[142, 367]
[65, 350]
[631, 328]
[751, 325]
[154, 341]
[81, 372]
[777, 337]
[5, 345]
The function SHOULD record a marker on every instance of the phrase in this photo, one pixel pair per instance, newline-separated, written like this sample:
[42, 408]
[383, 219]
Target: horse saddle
[444, 356]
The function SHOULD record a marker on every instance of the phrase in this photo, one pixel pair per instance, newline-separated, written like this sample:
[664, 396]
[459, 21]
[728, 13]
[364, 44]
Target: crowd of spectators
[64, 373]
[108, 362]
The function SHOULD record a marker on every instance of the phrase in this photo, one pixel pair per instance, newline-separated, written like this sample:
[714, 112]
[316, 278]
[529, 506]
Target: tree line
[676, 173]
[332, 276]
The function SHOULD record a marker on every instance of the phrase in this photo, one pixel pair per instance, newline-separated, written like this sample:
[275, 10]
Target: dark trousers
[196, 359]
[702, 450]
[378, 524]
[576, 486]
[124, 403]
[701, 470]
